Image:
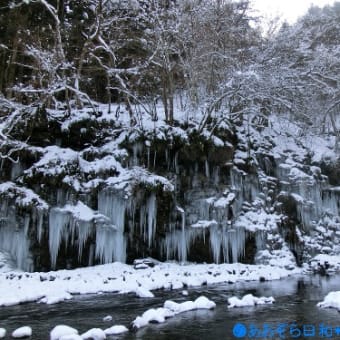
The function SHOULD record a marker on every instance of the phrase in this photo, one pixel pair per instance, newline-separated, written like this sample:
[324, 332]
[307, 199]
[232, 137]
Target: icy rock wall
[312, 194]
[209, 216]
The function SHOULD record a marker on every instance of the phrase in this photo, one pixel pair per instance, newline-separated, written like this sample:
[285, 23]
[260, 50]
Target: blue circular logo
[240, 330]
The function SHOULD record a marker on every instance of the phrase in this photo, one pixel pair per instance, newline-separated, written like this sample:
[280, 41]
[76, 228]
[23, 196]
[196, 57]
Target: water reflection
[296, 299]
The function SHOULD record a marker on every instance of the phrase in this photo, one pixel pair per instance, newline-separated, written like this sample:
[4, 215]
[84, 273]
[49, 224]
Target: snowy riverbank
[53, 287]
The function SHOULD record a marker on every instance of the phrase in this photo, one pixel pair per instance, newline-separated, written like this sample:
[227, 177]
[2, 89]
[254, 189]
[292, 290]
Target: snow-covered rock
[62, 331]
[114, 330]
[107, 318]
[170, 309]
[204, 303]
[179, 307]
[200, 303]
[22, 332]
[329, 262]
[331, 300]
[94, 334]
[71, 337]
[249, 300]
[152, 315]
[2, 333]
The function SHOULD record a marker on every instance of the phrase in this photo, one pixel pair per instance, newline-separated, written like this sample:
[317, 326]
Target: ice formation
[14, 236]
[63, 226]
[312, 194]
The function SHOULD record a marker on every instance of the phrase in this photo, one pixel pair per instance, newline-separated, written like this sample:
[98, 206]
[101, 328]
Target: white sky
[288, 10]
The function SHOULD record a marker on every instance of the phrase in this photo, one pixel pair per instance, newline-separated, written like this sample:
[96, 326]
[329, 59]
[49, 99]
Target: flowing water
[296, 300]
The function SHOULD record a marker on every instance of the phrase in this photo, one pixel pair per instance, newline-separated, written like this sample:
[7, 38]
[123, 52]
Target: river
[296, 299]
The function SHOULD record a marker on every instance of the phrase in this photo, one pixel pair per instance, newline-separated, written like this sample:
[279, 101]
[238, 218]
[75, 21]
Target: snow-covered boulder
[22, 332]
[249, 300]
[331, 300]
[94, 334]
[200, 303]
[71, 337]
[152, 315]
[61, 331]
[170, 309]
[114, 330]
[107, 318]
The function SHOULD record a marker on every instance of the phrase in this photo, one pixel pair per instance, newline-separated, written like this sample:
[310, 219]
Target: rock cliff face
[89, 189]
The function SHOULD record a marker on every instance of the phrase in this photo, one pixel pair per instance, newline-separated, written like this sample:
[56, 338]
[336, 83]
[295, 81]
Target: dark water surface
[296, 300]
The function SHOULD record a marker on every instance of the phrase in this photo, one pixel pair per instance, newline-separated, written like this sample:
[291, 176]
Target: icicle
[15, 242]
[246, 186]
[330, 202]
[137, 152]
[13, 236]
[184, 246]
[39, 221]
[216, 175]
[148, 150]
[167, 158]
[225, 245]
[215, 243]
[16, 170]
[110, 244]
[84, 229]
[260, 239]
[204, 209]
[176, 163]
[237, 242]
[154, 159]
[305, 213]
[151, 207]
[114, 247]
[58, 223]
[148, 219]
[91, 255]
[176, 245]
[26, 224]
[177, 242]
[207, 169]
